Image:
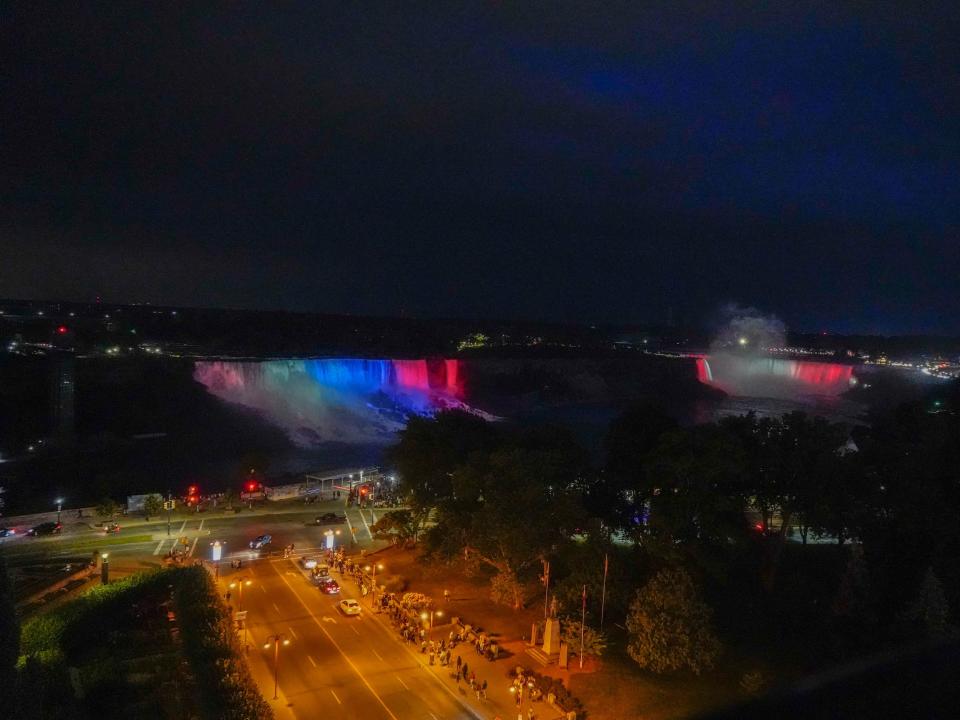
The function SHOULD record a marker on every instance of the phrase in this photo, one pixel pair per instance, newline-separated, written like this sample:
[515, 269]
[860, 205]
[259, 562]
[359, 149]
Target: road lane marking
[275, 607]
[182, 528]
[159, 547]
[201, 526]
[349, 524]
[292, 632]
[193, 547]
[333, 642]
[434, 716]
[354, 629]
[365, 525]
[262, 588]
[312, 662]
[338, 699]
[327, 618]
[400, 680]
[378, 655]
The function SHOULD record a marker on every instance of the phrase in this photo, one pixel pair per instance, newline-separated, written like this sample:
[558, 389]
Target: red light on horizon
[63, 329]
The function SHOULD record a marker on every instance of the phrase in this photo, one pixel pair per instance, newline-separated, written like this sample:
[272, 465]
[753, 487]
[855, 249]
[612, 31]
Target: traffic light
[63, 330]
[251, 486]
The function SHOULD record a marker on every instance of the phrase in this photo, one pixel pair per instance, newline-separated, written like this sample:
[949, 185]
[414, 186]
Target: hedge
[209, 645]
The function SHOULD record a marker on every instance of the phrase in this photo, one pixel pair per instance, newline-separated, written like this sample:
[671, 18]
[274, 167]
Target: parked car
[329, 586]
[349, 607]
[47, 528]
[308, 563]
[330, 519]
[7, 532]
[260, 541]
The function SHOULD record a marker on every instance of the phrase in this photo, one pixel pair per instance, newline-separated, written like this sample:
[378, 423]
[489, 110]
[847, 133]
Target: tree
[399, 525]
[670, 627]
[9, 630]
[929, 613]
[620, 494]
[230, 496]
[107, 508]
[594, 641]
[513, 507]
[152, 505]
[429, 451]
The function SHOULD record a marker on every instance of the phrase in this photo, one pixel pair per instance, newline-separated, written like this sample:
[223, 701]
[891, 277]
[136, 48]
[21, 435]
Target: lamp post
[105, 569]
[425, 616]
[276, 640]
[239, 584]
[373, 572]
[59, 508]
[517, 690]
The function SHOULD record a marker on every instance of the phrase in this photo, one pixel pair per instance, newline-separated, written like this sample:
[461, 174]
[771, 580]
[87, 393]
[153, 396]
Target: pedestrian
[473, 679]
[465, 670]
[483, 689]
[431, 657]
[446, 596]
[459, 663]
[530, 714]
[423, 646]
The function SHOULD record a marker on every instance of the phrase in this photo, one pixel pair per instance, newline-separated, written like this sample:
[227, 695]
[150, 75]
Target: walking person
[459, 663]
[483, 689]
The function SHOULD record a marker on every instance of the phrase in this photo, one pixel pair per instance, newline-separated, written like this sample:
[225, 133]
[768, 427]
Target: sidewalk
[500, 702]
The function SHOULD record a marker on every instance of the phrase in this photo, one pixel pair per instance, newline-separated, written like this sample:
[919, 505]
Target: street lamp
[105, 569]
[517, 690]
[239, 584]
[429, 616]
[276, 640]
[376, 566]
[59, 508]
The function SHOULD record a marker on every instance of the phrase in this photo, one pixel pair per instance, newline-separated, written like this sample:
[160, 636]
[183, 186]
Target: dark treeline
[810, 541]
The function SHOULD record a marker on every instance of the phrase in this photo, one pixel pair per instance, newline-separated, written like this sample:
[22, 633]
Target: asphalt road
[335, 666]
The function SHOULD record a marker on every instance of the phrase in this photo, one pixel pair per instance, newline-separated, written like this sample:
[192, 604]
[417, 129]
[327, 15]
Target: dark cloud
[597, 164]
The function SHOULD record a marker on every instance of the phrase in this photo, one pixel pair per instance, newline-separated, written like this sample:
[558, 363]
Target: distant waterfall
[337, 399]
[762, 376]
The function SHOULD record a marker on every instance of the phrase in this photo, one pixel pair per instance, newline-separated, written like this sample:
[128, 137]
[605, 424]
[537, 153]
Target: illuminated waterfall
[761, 376]
[336, 399]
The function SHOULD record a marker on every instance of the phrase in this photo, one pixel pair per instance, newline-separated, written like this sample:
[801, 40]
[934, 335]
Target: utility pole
[168, 505]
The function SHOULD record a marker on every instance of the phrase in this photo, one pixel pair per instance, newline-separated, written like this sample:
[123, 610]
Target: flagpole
[583, 617]
[603, 597]
[546, 588]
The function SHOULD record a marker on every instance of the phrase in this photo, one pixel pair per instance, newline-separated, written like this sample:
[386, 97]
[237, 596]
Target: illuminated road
[335, 666]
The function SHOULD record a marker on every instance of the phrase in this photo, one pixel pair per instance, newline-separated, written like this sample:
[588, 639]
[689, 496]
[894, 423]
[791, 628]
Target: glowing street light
[59, 502]
[239, 584]
[743, 341]
[276, 640]
[425, 616]
[373, 571]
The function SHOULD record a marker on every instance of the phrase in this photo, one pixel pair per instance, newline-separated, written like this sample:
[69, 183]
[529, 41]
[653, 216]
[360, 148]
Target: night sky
[596, 162]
